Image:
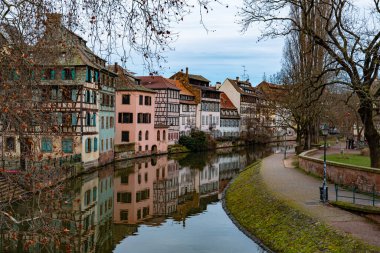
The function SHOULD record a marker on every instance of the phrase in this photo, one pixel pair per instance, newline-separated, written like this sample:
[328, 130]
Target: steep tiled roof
[272, 91]
[183, 89]
[126, 81]
[225, 102]
[247, 90]
[156, 82]
[199, 77]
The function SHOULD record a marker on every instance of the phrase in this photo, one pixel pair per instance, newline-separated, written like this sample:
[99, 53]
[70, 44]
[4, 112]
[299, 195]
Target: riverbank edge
[343, 240]
[235, 221]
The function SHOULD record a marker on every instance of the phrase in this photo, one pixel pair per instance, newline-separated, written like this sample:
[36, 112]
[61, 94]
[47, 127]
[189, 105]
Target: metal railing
[352, 195]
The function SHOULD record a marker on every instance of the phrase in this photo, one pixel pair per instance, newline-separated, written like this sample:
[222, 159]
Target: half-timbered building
[207, 99]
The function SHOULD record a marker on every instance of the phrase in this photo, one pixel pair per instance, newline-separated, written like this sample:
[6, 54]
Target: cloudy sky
[223, 51]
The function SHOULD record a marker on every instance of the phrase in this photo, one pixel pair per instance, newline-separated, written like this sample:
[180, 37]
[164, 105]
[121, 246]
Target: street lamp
[323, 190]
[285, 144]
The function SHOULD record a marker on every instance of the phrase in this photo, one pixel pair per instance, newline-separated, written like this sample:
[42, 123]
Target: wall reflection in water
[96, 211]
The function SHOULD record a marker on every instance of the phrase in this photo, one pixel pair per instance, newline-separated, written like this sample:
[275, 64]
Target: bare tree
[351, 39]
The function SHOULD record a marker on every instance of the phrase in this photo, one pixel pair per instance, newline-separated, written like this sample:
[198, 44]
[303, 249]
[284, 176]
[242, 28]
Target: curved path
[303, 191]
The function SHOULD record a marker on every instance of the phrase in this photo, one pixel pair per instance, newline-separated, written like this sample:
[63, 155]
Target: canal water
[156, 204]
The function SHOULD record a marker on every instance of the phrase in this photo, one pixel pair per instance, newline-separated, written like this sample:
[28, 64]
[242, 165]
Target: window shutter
[86, 146]
[59, 118]
[88, 74]
[74, 119]
[74, 95]
[72, 74]
[95, 144]
[43, 75]
[94, 119]
[63, 75]
[52, 74]
[97, 76]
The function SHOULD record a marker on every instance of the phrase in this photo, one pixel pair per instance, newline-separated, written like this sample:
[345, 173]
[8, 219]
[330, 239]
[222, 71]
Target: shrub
[197, 141]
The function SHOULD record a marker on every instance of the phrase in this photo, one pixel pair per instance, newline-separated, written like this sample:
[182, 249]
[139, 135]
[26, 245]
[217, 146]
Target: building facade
[248, 101]
[67, 91]
[135, 126]
[188, 109]
[167, 106]
[207, 99]
[229, 117]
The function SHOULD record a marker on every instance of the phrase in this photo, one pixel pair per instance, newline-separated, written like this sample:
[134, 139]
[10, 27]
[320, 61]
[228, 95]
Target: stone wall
[362, 177]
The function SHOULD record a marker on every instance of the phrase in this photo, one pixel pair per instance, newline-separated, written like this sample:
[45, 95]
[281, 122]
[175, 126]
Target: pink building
[136, 134]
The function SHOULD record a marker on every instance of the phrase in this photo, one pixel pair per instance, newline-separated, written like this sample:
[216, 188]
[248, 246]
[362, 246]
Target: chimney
[218, 84]
[53, 20]
[237, 79]
[187, 71]
[115, 68]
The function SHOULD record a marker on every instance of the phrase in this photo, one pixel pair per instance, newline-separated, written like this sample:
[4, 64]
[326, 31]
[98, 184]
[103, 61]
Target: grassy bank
[352, 159]
[278, 225]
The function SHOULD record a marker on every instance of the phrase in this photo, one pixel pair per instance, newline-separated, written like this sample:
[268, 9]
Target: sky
[222, 52]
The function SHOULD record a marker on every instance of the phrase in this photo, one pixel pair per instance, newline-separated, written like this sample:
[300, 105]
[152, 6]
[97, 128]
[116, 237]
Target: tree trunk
[370, 132]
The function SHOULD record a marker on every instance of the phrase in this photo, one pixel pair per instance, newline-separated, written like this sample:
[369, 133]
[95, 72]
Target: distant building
[247, 100]
[229, 117]
[207, 99]
[166, 104]
[188, 108]
[275, 117]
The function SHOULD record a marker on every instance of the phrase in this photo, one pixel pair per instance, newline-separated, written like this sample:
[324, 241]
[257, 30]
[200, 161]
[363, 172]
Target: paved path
[303, 191]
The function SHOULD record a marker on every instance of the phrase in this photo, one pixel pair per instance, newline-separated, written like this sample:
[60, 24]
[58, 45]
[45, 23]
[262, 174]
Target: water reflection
[99, 211]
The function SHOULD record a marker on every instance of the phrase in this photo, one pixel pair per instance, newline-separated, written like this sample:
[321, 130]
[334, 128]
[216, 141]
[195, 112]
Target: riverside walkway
[302, 191]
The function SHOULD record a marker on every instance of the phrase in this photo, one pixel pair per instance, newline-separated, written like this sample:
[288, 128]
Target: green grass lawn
[352, 159]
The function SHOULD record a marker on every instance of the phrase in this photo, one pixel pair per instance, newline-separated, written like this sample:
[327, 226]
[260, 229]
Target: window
[142, 195]
[141, 99]
[88, 145]
[139, 178]
[94, 193]
[124, 197]
[148, 100]
[125, 136]
[88, 119]
[111, 122]
[124, 179]
[10, 144]
[49, 74]
[146, 147]
[125, 117]
[146, 177]
[111, 143]
[68, 74]
[106, 144]
[140, 136]
[46, 145]
[144, 118]
[87, 197]
[164, 135]
[123, 215]
[158, 135]
[126, 99]
[67, 145]
[146, 135]
[107, 122]
[102, 122]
